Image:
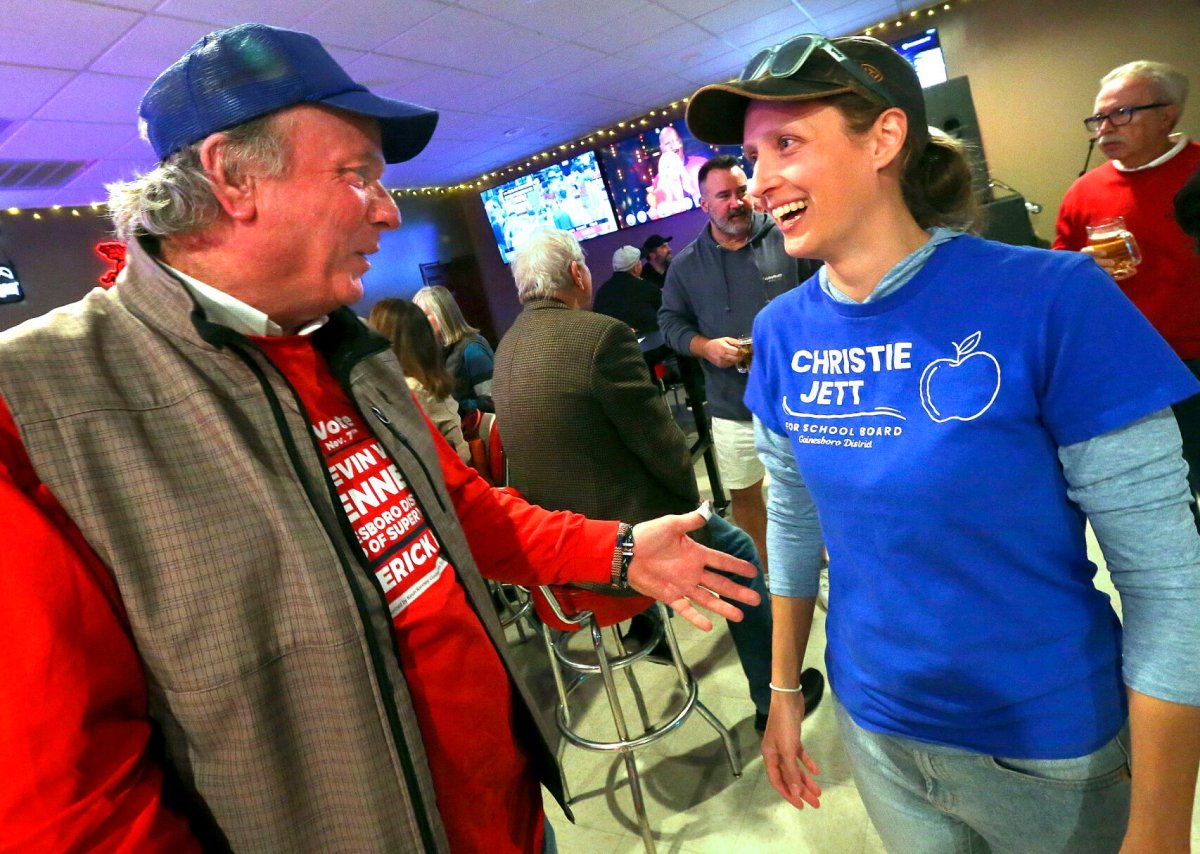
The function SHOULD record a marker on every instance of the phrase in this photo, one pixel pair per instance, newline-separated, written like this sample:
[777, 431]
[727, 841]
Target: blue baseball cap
[241, 73]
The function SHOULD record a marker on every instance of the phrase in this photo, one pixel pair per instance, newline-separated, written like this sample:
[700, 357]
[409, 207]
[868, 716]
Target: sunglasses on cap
[787, 58]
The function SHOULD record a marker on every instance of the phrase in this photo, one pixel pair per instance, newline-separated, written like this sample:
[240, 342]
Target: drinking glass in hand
[1114, 242]
[745, 354]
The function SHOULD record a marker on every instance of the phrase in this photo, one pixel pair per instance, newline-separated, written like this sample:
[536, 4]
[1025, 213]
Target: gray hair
[438, 301]
[1169, 85]
[176, 197]
[542, 267]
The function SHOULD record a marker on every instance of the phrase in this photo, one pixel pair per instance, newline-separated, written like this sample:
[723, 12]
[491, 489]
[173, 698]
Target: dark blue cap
[241, 73]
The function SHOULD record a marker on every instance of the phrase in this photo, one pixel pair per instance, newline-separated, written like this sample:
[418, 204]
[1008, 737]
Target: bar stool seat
[571, 609]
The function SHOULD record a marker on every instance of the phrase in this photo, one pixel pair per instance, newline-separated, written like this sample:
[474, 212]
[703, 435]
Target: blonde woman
[469, 357]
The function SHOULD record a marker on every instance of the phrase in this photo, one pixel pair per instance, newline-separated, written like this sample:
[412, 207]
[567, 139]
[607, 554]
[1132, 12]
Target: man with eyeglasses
[1133, 124]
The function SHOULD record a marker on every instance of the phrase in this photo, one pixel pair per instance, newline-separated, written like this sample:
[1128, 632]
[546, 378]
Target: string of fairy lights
[589, 142]
[55, 210]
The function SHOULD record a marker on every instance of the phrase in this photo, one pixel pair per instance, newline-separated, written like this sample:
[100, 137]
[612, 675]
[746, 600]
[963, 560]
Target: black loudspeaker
[950, 108]
[1006, 219]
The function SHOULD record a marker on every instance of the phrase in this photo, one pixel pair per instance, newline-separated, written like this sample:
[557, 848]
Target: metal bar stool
[514, 606]
[571, 609]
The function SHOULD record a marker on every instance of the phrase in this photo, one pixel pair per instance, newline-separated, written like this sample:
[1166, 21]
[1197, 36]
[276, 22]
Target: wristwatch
[622, 556]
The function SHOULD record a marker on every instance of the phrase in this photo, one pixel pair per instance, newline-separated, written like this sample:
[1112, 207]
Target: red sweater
[1166, 287]
[76, 771]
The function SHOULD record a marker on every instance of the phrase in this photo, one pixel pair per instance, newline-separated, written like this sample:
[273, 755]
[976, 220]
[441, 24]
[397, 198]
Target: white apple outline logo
[963, 352]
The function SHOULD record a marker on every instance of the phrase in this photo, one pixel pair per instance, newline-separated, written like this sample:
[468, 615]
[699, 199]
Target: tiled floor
[694, 802]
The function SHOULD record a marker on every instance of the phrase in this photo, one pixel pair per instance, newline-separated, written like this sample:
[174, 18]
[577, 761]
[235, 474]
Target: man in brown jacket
[586, 430]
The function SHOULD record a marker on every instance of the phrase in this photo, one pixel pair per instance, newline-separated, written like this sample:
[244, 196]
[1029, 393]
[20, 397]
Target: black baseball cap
[653, 242]
[805, 68]
[243, 72]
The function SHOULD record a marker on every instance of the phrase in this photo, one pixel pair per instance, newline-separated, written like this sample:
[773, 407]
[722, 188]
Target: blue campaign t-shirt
[926, 426]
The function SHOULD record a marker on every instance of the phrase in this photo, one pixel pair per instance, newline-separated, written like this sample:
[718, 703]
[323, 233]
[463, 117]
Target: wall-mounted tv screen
[568, 195]
[653, 175]
[924, 52]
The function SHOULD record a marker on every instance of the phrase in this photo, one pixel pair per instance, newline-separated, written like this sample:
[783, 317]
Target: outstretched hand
[789, 767]
[672, 567]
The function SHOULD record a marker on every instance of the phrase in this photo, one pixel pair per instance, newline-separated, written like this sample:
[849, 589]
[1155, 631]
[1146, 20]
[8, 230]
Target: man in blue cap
[242, 570]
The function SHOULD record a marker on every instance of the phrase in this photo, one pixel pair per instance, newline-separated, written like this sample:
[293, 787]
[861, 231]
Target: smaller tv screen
[569, 195]
[10, 284]
[653, 175]
[924, 53]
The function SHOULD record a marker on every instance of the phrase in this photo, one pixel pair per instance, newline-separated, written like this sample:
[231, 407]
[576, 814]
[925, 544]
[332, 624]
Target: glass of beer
[745, 354]
[1113, 241]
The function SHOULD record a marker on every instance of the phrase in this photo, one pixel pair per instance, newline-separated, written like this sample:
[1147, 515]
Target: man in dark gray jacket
[714, 289]
[578, 376]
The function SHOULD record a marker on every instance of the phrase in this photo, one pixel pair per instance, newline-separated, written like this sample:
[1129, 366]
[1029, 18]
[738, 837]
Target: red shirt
[1166, 287]
[487, 793]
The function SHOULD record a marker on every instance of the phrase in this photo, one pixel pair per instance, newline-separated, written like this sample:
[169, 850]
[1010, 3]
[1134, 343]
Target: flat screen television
[569, 195]
[924, 53]
[653, 175]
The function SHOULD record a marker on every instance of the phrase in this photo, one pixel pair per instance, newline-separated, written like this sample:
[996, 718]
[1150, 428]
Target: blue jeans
[751, 636]
[928, 798]
[549, 843]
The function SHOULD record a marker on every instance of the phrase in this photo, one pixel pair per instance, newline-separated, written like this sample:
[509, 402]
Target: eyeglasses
[1118, 117]
[787, 58]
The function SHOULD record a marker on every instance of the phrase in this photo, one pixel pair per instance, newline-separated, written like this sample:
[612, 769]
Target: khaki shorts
[734, 443]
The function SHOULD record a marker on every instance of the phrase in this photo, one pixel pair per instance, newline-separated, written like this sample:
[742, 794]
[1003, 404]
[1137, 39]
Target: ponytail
[937, 184]
[936, 181]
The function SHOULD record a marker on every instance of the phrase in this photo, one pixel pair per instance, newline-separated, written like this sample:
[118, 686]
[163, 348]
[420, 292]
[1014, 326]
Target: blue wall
[431, 229]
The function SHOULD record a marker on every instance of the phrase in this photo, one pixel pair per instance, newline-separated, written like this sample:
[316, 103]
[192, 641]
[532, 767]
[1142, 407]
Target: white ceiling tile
[343, 56]
[692, 8]
[278, 13]
[138, 5]
[698, 53]
[565, 19]
[389, 76]
[63, 140]
[457, 125]
[460, 38]
[641, 25]
[560, 61]
[338, 24]
[671, 41]
[96, 98]
[26, 89]
[557, 105]
[738, 12]
[448, 88]
[773, 27]
[135, 148]
[106, 171]
[59, 33]
[151, 46]
[718, 68]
